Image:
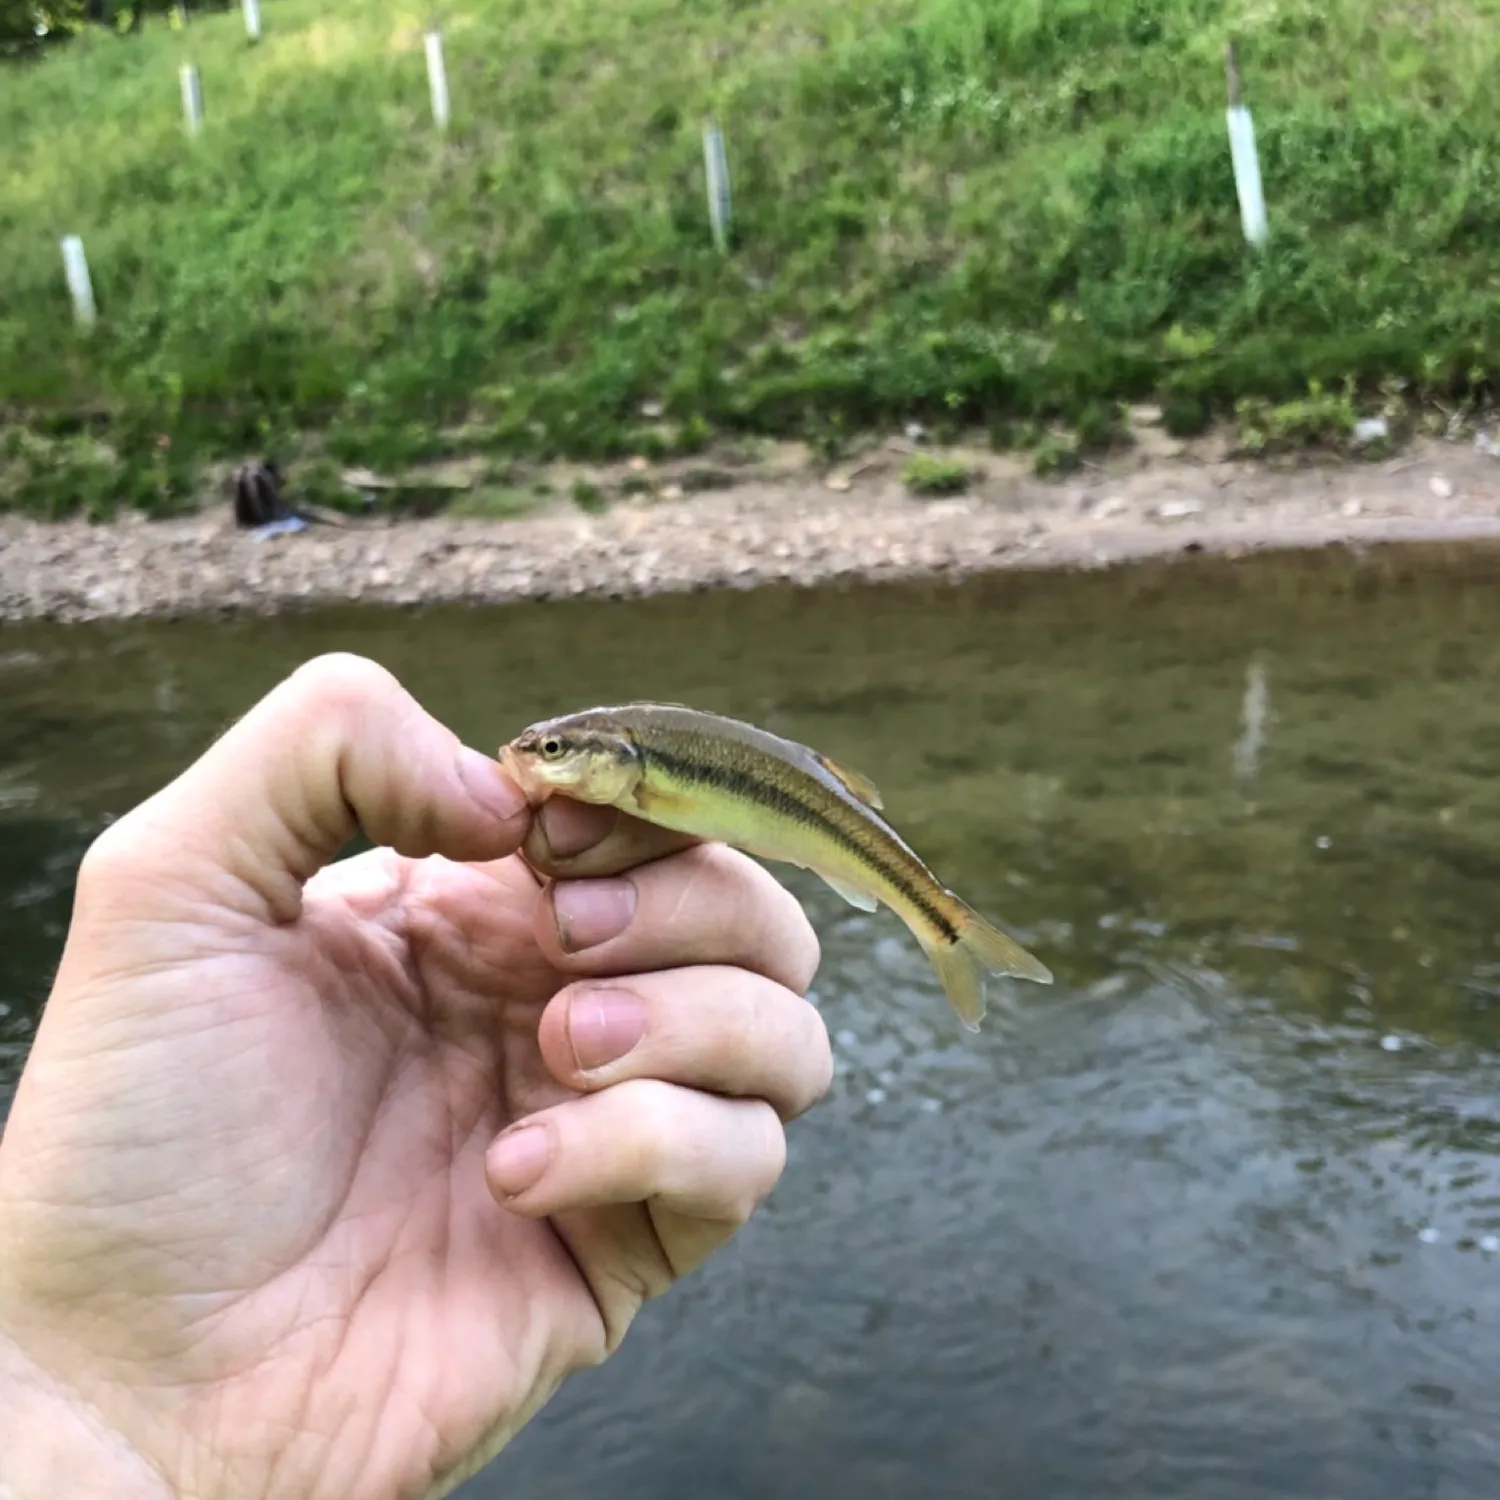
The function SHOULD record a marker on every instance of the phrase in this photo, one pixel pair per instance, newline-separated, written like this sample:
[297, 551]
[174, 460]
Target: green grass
[924, 474]
[968, 214]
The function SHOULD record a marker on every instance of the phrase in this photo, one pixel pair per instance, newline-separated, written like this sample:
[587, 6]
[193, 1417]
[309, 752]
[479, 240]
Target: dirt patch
[780, 522]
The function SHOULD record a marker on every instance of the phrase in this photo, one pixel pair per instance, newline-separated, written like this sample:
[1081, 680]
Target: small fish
[719, 779]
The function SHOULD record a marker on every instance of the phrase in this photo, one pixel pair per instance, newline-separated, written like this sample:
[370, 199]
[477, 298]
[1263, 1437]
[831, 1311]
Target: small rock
[651, 410]
[1488, 445]
[1390, 1043]
[915, 431]
[379, 577]
[1429, 1235]
[671, 492]
[1175, 510]
[1110, 505]
[1351, 507]
[1370, 430]
[638, 465]
[1145, 416]
[837, 482]
[1441, 487]
[1490, 1244]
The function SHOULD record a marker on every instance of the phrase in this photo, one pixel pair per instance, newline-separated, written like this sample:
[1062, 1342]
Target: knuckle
[786, 931]
[109, 858]
[657, 1125]
[817, 1050]
[773, 933]
[342, 680]
[766, 1163]
[747, 1035]
[778, 1041]
[809, 956]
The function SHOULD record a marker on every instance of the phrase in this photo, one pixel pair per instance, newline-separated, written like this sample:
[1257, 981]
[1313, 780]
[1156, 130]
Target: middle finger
[705, 905]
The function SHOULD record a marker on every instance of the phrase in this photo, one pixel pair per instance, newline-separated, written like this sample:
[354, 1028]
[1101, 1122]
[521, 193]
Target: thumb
[338, 748]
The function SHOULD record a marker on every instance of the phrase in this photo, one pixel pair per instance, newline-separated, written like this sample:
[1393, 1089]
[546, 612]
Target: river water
[1217, 1216]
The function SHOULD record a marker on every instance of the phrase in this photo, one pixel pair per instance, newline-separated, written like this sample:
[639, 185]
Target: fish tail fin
[980, 948]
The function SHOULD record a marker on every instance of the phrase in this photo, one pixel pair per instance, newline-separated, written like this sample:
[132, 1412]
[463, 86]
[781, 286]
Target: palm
[334, 1232]
[397, 1035]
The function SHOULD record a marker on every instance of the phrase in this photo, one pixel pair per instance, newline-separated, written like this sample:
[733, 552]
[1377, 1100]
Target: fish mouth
[524, 774]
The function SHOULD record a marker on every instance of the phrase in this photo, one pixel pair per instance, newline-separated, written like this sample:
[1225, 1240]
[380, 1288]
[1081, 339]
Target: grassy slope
[959, 210]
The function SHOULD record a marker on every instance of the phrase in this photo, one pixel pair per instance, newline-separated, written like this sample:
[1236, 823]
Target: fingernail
[489, 786]
[570, 827]
[589, 912]
[603, 1025]
[518, 1159]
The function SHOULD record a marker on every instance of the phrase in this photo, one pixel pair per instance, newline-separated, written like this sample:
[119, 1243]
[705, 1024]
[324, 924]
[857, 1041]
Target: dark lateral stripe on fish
[727, 779]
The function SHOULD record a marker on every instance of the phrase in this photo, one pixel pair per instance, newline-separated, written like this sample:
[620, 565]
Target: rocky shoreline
[790, 528]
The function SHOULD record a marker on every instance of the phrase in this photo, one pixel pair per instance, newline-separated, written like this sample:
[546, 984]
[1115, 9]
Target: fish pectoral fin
[852, 781]
[862, 899]
[652, 800]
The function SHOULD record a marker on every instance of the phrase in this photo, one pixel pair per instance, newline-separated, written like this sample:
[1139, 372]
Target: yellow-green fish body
[723, 780]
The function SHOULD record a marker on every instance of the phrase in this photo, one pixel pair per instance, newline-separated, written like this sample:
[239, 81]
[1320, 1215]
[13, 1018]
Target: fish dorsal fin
[861, 899]
[857, 785]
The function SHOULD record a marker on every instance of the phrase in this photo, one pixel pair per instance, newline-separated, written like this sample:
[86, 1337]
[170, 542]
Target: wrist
[55, 1443]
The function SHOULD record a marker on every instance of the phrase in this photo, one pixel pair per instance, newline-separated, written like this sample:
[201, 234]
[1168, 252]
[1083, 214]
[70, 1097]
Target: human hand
[269, 1226]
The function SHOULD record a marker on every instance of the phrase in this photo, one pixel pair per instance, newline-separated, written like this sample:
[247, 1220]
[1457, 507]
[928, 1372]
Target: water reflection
[1217, 1216]
[1255, 712]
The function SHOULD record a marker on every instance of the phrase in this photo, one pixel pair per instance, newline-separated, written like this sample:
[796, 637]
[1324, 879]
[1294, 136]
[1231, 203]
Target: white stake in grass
[716, 171]
[80, 286]
[1246, 161]
[192, 98]
[437, 79]
[252, 19]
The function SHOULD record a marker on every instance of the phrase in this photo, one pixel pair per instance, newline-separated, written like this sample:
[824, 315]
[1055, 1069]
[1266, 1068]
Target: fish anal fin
[963, 981]
[854, 896]
[981, 948]
[853, 782]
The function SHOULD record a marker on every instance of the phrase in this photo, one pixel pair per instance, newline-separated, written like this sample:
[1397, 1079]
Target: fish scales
[684, 757]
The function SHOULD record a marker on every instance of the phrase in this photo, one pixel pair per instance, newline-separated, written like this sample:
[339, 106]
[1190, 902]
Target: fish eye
[552, 747]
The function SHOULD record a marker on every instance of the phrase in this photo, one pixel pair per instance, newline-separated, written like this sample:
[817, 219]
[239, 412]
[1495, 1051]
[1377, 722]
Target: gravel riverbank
[769, 529]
